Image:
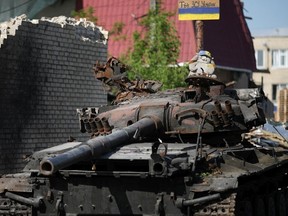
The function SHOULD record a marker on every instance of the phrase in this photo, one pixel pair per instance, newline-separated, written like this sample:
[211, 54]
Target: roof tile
[228, 39]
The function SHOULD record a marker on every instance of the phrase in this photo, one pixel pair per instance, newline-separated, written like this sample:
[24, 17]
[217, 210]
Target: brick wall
[281, 115]
[45, 74]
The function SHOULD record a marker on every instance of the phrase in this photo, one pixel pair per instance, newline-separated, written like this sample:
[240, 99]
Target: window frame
[277, 55]
[263, 66]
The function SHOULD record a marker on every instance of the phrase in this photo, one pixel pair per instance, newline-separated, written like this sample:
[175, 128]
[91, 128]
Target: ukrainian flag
[198, 13]
[199, 9]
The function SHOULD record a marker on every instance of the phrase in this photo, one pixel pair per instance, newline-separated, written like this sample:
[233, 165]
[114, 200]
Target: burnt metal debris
[189, 151]
[114, 74]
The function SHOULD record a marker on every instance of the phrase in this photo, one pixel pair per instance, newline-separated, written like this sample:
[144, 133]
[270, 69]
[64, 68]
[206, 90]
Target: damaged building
[45, 75]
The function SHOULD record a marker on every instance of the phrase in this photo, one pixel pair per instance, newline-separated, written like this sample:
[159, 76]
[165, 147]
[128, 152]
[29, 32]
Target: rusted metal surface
[11, 207]
[98, 146]
[113, 73]
[15, 184]
[225, 207]
[188, 151]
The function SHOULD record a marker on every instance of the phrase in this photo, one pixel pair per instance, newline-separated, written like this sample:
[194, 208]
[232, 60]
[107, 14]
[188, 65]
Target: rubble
[261, 137]
[85, 30]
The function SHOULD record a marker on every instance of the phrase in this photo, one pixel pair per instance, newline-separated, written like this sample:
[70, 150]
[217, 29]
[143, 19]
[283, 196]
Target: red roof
[228, 39]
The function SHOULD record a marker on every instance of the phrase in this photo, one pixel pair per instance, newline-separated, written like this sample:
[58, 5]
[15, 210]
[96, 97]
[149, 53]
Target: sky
[266, 14]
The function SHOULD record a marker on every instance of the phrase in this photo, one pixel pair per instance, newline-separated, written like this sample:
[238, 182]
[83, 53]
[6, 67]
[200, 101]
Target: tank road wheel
[270, 205]
[280, 204]
[244, 208]
[259, 207]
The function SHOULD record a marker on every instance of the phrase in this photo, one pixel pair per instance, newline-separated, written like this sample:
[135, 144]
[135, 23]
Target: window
[259, 55]
[276, 88]
[280, 58]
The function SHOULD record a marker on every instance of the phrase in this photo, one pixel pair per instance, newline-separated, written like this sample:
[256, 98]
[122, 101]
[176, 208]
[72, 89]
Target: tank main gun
[184, 151]
[175, 113]
[100, 145]
[155, 118]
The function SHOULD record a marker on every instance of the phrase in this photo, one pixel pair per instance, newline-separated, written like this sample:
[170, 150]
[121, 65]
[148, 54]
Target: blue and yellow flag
[199, 9]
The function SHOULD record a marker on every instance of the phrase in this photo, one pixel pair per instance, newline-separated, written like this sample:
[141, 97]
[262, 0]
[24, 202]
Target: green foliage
[155, 53]
[116, 31]
[117, 28]
[87, 13]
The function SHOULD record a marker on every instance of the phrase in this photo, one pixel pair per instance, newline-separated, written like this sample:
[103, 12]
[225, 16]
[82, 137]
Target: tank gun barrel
[100, 145]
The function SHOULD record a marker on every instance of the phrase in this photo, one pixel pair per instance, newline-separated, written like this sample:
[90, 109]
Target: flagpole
[199, 35]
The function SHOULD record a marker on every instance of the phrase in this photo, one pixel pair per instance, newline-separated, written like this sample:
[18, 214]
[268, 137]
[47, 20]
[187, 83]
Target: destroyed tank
[198, 150]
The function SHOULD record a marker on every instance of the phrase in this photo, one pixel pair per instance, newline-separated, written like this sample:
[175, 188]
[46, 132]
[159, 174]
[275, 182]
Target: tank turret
[187, 151]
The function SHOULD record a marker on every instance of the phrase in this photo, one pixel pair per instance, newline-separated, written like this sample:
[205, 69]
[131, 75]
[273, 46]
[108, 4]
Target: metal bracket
[159, 206]
[60, 206]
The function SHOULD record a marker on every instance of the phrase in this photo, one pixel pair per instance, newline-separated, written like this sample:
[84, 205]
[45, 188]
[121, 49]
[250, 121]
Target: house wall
[59, 8]
[269, 75]
[240, 79]
[45, 74]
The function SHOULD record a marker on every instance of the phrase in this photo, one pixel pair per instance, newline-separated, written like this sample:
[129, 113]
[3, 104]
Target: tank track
[10, 207]
[259, 195]
[224, 207]
[266, 194]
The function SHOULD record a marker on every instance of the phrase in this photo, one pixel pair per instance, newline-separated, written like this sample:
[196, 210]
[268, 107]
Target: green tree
[116, 31]
[87, 13]
[155, 52]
